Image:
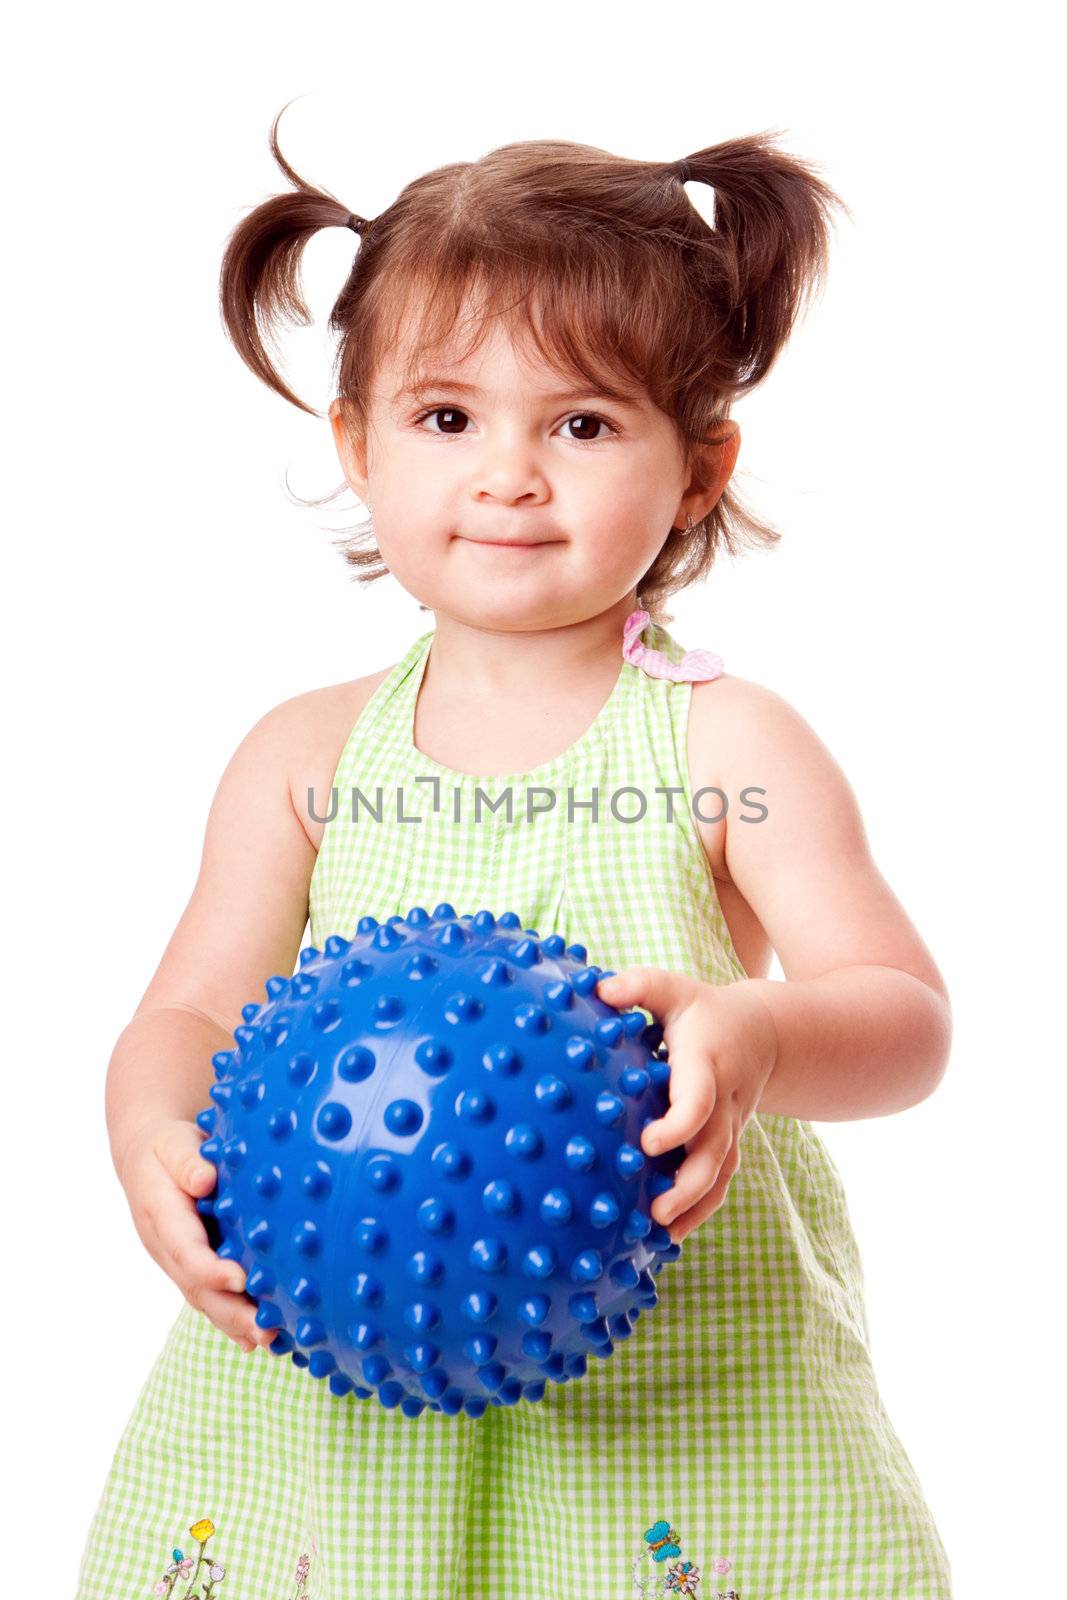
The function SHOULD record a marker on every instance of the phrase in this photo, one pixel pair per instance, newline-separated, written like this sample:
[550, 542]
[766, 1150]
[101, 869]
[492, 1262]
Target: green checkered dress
[734, 1442]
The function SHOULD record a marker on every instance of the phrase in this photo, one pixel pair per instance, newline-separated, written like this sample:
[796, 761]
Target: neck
[515, 664]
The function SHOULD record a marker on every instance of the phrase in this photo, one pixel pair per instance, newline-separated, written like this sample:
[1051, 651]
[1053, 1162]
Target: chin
[511, 613]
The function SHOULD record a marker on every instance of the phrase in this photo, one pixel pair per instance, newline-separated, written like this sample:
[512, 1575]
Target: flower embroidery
[683, 1578]
[182, 1565]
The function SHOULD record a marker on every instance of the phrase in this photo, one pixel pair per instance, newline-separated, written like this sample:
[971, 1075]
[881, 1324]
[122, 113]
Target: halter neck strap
[696, 666]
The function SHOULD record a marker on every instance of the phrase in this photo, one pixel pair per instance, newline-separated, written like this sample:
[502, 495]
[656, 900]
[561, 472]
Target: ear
[716, 459]
[351, 450]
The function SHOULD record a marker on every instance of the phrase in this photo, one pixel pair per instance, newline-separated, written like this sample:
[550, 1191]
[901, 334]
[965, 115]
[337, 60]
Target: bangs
[602, 332]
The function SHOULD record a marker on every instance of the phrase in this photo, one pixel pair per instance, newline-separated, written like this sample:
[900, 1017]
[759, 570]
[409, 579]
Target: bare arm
[863, 1021]
[244, 921]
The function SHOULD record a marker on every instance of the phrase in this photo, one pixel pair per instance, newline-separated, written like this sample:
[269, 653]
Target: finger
[709, 1203]
[232, 1315]
[178, 1148]
[187, 1257]
[661, 992]
[232, 1312]
[697, 1173]
[693, 1095]
[185, 1243]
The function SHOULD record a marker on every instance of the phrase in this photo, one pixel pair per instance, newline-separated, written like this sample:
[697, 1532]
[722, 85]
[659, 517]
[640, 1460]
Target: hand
[162, 1171]
[722, 1045]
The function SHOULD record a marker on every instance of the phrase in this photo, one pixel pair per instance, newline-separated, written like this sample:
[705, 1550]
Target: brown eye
[587, 420]
[450, 414]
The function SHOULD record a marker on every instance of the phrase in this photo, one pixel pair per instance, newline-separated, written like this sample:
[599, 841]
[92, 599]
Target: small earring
[689, 525]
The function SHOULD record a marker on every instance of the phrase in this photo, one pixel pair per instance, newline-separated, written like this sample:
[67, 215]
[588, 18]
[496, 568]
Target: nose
[508, 470]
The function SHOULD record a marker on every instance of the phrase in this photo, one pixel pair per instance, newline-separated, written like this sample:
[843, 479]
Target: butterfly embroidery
[663, 1541]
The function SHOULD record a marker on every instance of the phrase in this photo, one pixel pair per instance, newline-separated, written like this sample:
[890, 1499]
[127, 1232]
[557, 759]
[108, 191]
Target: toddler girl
[538, 355]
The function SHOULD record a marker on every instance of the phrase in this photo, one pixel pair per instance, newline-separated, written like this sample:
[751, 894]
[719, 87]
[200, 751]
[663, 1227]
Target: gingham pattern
[743, 1409]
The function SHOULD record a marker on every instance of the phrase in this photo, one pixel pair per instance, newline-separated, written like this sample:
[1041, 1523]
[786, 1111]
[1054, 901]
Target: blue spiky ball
[429, 1162]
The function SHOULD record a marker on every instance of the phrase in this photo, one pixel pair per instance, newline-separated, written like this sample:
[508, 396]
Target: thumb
[661, 992]
[179, 1150]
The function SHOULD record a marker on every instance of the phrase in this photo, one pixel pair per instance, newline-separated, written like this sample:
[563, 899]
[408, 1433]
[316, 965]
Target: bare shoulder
[751, 713]
[807, 874]
[310, 730]
[736, 728]
[740, 736]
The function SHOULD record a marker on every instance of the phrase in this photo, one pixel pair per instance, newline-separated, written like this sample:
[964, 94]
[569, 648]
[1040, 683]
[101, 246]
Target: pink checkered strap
[696, 666]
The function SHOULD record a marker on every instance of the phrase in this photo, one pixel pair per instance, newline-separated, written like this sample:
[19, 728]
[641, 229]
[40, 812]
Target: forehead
[495, 354]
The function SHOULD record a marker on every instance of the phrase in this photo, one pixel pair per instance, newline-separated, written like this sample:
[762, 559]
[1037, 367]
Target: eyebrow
[432, 381]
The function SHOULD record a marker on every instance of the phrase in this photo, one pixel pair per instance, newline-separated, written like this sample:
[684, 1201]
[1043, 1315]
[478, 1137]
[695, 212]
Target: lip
[510, 544]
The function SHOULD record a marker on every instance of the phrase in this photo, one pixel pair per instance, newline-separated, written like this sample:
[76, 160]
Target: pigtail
[752, 269]
[259, 285]
[771, 232]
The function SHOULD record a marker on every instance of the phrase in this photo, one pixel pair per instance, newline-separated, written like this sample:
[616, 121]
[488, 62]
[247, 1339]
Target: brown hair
[630, 285]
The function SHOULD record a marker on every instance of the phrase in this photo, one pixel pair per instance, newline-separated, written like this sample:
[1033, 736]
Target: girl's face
[506, 499]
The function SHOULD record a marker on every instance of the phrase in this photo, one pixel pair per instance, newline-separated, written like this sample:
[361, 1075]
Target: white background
[163, 593]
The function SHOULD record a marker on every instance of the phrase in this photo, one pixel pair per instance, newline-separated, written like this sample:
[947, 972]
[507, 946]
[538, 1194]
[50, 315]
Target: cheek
[626, 546]
[409, 520]
[407, 492]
